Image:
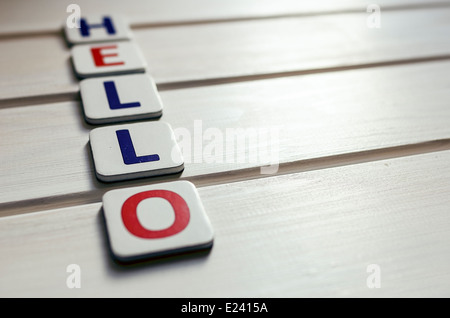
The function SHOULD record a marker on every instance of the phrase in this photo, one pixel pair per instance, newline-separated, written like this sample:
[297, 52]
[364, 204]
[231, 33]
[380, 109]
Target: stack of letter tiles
[145, 221]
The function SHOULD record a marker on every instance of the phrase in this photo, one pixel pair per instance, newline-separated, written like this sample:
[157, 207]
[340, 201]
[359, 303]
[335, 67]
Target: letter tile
[138, 150]
[104, 28]
[120, 98]
[155, 220]
[104, 59]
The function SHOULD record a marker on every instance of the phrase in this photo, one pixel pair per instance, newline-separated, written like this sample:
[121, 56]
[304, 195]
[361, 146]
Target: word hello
[115, 89]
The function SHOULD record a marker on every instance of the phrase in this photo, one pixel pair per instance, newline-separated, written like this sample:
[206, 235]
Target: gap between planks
[417, 6]
[75, 96]
[326, 162]
[144, 25]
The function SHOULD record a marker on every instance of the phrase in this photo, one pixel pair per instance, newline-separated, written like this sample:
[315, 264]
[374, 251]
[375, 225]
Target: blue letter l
[113, 97]
[127, 149]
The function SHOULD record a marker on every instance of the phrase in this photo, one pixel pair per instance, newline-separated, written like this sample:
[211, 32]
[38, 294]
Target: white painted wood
[310, 234]
[299, 234]
[45, 157]
[19, 17]
[246, 50]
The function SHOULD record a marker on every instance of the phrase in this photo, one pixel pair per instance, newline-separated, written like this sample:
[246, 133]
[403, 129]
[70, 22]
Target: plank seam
[167, 86]
[298, 166]
[161, 24]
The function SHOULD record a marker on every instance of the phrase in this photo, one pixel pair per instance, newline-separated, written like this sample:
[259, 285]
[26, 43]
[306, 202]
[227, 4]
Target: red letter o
[131, 221]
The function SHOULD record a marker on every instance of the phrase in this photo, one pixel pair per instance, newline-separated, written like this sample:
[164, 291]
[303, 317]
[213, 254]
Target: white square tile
[156, 220]
[130, 151]
[120, 98]
[101, 28]
[109, 58]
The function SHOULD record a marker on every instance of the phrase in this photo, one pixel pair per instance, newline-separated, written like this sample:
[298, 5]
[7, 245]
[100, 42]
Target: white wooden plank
[45, 157]
[310, 234]
[199, 54]
[19, 17]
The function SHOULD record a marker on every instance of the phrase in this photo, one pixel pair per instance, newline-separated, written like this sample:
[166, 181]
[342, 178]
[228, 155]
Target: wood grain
[310, 234]
[362, 147]
[45, 148]
[19, 18]
[39, 68]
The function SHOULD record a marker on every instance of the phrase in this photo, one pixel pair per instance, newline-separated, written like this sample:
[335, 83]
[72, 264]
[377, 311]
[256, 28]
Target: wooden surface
[361, 140]
[297, 235]
[38, 69]
[19, 18]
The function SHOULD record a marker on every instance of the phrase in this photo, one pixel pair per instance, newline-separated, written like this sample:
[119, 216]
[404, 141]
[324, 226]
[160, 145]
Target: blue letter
[113, 97]
[107, 24]
[127, 149]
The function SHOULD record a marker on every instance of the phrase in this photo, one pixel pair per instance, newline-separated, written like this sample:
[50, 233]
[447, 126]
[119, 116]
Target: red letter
[131, 222]
[99, 57]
